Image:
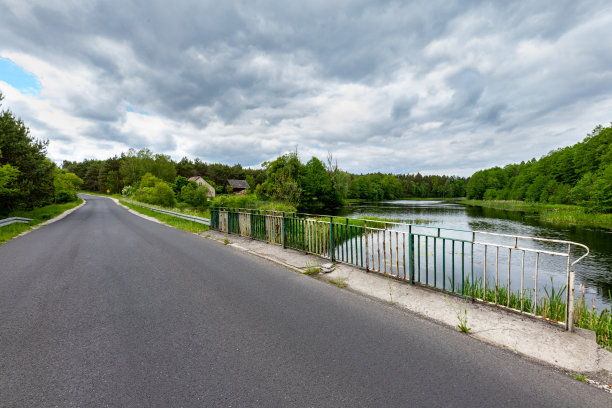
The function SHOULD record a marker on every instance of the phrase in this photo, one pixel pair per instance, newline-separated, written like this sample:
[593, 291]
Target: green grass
[579, 377]
[312, 270]
[553, 213]
[175, 222]
[37, 215]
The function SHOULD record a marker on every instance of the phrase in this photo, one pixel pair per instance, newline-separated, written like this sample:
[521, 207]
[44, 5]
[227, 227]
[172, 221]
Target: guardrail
[193, 218]
[462, 262]
[12, 220]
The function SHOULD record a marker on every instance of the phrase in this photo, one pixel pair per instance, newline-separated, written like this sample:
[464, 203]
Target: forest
[580, 174]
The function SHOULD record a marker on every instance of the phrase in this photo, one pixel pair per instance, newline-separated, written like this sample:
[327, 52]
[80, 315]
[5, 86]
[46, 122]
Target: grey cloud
[402, 107]
[196, 63]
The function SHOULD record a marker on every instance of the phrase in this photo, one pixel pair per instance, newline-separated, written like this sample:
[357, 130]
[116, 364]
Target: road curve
[104, 308]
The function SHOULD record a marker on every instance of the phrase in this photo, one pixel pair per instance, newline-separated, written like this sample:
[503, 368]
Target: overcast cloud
[436, 87]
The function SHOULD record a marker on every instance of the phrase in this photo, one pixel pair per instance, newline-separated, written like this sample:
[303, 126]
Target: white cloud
[385, 86]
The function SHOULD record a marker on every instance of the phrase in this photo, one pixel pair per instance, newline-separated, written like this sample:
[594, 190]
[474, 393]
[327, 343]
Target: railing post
[571, 276]
[411, 257]
[331, 239]
[284, 232]
[365, 231]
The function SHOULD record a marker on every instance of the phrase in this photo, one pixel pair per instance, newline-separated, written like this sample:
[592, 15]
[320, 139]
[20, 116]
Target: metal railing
[193, 218]
[12, 220]
[462, 262]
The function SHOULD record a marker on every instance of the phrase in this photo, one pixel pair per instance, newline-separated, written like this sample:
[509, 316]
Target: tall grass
[552, 306]
[588, 318]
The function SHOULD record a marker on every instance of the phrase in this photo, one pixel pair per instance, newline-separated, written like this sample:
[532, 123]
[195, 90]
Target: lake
[594, 272]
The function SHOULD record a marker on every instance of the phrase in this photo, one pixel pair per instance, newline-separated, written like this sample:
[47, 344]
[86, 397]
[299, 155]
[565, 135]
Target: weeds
[340, 282]
[579, 377]
[463, 322]
[312, 270]
[226, 241]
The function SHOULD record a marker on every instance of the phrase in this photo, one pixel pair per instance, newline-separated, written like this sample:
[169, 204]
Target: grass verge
[38, 215]
[553, 213]
[198, 212]
[175, 222]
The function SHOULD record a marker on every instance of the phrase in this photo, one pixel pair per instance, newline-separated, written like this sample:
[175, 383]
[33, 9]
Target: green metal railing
[450, 260]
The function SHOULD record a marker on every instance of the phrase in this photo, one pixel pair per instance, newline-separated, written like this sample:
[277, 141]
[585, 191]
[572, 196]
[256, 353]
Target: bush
[65, 197]
[200, 197]
[162, 194]
[128, 191]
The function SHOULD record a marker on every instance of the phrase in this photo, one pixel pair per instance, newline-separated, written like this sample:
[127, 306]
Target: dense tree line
[313, 184]
[27, 177]
[389, 187]
[579, 174]
[115, 173]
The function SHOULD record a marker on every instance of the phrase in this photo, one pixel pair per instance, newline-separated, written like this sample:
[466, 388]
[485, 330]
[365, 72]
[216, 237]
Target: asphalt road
[104, 308]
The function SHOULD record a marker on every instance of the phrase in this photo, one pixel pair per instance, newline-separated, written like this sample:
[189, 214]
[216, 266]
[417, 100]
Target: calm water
[594, 272]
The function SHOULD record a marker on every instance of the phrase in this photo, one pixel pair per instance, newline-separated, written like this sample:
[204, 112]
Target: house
[201, 182]
[239, 186]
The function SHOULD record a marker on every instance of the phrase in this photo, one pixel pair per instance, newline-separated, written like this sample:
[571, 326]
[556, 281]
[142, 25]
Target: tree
[66, 186]
[317, 186]
[34, 181]
[282, 179]
[8, 178]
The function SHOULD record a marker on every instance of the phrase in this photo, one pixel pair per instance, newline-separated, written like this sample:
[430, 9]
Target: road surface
[104, 308]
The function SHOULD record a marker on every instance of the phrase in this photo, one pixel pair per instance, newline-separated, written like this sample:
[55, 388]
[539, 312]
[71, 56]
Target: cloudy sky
[438, 87]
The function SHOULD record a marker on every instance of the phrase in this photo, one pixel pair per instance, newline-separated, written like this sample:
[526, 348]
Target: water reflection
[594, 272]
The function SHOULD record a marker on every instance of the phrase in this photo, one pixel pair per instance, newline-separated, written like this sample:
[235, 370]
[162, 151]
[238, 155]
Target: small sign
[107, 190]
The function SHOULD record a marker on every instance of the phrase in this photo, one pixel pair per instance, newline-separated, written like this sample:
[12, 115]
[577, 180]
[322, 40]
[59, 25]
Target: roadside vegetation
[175, 222]
[38, 215]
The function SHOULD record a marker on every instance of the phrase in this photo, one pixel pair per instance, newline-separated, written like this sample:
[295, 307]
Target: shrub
[65, 197]
[162, 194]
[128, 191]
